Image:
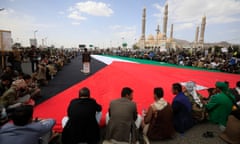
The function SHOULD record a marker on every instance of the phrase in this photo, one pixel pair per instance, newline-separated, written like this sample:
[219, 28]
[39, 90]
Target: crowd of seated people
[18, 88]
[48, 64]
[162, 120]
[187, 109]
[226, 62]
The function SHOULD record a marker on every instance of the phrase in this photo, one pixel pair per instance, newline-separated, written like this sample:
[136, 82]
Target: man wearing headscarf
[220, 105]
[11, 98]
[198, 111]
[236, 92]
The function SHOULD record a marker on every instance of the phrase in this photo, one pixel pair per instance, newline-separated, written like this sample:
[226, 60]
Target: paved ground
[68, 76]
[193, 136]
[71, 75]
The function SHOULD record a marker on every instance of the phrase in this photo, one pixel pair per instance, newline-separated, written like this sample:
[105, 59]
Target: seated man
[196, 99]
[232, 132]
[121, 126]
[5, 83]
[40, 75]
[25, 131]
[82, 125]
[236, 93]
[220, 105]
[158, 121]
[3, 116]
[32, 87]
[182, 110]
[14, 96]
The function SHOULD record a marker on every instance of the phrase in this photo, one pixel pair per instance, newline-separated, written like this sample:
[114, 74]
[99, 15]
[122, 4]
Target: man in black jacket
[82, 125]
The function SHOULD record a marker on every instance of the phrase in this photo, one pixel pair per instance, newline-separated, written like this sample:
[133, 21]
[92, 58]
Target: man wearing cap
[11, 98]
[220, 105]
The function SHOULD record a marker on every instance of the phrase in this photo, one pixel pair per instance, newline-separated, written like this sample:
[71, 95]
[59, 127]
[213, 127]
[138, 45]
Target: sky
[109, 23]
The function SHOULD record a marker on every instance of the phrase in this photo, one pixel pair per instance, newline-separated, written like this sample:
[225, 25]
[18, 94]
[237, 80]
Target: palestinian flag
[141, 75]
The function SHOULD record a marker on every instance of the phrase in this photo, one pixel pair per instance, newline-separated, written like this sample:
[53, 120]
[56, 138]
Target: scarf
[191, 88]
[238, 90]
[160, 104]
[196, 98]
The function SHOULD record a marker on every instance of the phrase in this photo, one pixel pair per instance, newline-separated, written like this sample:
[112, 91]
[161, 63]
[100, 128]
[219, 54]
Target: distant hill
[186, 44]
[182, 43]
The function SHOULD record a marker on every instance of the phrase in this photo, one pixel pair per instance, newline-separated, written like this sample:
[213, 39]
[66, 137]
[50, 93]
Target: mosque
[160, 40]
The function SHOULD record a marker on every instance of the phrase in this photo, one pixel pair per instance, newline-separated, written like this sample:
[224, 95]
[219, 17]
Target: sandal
[208, 134]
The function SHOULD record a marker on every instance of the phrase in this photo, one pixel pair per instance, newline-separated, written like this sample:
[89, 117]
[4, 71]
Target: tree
[217, 49]
[135, 46]
[124, 45]
[236, 47]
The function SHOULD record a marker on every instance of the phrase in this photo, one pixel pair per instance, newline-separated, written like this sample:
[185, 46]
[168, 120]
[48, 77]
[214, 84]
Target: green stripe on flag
[144, 61]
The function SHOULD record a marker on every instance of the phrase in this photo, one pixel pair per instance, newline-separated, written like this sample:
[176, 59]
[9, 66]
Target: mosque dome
[151, 37]
[159, 36]
[169, 40]
[150, 40]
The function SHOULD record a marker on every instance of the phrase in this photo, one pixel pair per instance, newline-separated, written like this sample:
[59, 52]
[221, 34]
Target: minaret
[196, 35]
[143, 24]
[143, 28]
[201, 40]
[171, 34]
[158, 31]
[165, 19]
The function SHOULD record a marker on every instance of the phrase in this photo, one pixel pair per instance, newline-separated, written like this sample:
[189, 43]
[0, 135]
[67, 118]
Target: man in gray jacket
[123, 114]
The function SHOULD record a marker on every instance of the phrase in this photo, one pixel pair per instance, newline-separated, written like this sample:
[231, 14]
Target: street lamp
[45, 39]
[35, 33]
[122, 41]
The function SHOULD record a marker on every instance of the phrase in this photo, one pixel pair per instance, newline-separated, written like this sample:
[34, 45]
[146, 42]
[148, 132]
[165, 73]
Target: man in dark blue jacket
[182, 110]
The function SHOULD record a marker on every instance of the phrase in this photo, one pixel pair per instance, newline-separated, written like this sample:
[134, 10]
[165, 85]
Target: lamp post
[45, 41]
[122, 41]
[35, 33]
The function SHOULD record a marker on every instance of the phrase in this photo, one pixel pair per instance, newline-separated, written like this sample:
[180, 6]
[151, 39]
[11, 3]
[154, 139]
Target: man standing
[82, 125]
[123, 114]
[86, 58]
[35, 57]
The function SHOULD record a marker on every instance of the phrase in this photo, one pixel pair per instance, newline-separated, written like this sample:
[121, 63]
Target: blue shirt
[28, 134]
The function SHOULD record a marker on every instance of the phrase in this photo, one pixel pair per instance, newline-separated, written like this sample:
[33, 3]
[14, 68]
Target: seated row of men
[15, 85]
[161, 121]
[22, 90]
